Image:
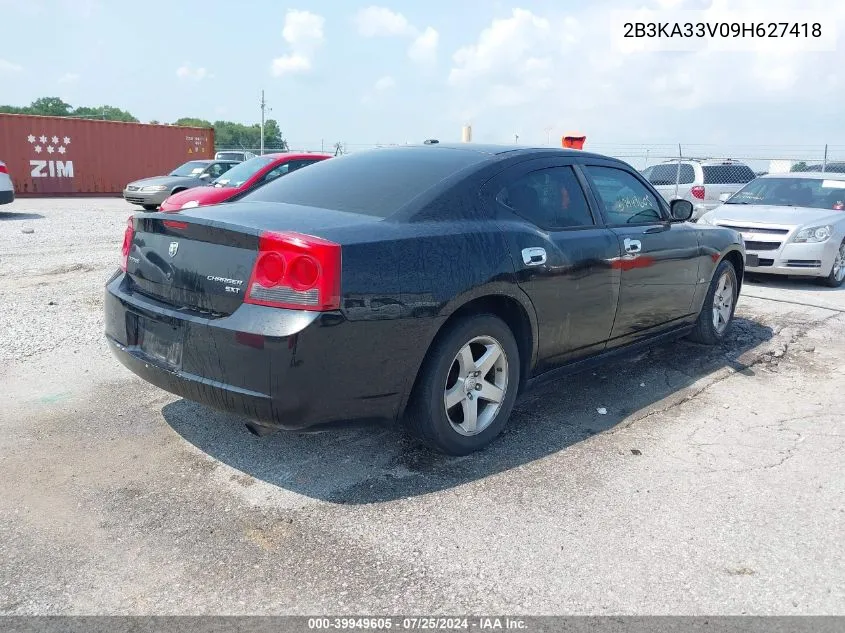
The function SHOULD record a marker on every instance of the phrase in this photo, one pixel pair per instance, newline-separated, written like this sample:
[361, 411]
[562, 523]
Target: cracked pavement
[714, 483]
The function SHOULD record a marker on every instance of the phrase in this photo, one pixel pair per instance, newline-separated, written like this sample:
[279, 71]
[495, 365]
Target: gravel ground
[713, 484]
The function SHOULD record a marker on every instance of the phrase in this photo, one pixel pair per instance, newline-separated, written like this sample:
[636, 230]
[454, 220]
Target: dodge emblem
[174, 246]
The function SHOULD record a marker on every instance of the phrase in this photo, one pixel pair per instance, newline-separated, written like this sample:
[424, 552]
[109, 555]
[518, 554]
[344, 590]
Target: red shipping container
[51, 156]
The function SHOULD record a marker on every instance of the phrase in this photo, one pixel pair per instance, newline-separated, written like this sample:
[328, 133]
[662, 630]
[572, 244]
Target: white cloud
[385, 83]
[69, 78]
[381, 22]
[423, 49]
[303, 31]
[530, 70]
[187, 71]
[376, 21]
[9, 67]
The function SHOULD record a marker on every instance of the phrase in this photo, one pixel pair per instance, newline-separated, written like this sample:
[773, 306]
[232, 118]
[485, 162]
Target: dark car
[427, 284]
[151, 192]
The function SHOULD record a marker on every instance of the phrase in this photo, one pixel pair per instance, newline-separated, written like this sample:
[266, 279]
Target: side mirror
[205, 176]
[681, 210]
[724, 197]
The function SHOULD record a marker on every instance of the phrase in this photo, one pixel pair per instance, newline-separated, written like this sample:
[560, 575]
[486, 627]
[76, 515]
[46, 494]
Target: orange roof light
[573, 141]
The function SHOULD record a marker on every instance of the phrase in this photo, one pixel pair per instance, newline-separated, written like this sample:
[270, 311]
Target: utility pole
[263, 108]
[516, 139]
[548, 136]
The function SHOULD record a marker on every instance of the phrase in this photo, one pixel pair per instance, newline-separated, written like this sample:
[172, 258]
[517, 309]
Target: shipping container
[64, 156]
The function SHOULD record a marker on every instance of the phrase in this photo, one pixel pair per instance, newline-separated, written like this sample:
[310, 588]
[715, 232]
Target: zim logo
[50, 168]
[54, 168]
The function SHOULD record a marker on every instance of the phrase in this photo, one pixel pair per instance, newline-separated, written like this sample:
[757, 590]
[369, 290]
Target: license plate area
[160, 341]
[752, 260]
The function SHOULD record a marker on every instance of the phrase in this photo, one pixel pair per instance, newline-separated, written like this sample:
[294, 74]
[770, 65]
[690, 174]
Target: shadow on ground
[11, 215]
[373, 464]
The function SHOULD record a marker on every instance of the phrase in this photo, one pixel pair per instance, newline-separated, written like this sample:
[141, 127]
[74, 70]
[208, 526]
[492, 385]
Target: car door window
[274, 173]
[299, 164]
[624, 199]
[215, 170]
[550, 198]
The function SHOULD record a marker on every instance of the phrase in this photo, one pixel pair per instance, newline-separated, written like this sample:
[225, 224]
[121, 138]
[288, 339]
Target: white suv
[704, 182]
[7, 190]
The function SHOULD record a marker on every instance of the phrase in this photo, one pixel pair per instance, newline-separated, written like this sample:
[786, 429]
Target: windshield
[229, 156]
[191, 168]
[242, 172]
[815, 193]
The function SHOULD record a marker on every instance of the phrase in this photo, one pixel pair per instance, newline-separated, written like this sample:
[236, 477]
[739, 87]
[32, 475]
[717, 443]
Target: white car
[792, 224]
[7, 190]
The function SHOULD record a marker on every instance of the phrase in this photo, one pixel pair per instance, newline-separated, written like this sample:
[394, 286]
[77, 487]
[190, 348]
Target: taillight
[295, 271]
[697, 192]
[128, 236]
[173, 224]
[3, 169]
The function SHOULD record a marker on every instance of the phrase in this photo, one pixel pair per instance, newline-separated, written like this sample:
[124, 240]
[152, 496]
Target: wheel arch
[514, 308]
[737, 260]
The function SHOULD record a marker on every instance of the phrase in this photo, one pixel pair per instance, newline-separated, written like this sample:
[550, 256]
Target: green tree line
[227, 134]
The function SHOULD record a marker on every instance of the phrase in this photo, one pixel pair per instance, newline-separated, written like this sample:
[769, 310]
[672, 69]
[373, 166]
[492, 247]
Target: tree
[105, 113]
[273, 138]
[799, 166]
[50, 106]
[192, 122]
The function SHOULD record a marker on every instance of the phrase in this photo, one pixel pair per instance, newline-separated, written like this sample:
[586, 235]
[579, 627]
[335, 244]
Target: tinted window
[666, 175]
[376, 182]
[550, 198]
[624, 198]
[727, 174]
[218, 169]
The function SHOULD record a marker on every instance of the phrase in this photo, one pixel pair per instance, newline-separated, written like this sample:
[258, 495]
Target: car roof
[499, 150]
[815, 175]
[705, 161]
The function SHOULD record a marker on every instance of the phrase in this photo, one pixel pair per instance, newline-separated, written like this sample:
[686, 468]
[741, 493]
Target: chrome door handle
[534, 256]
[632, 246]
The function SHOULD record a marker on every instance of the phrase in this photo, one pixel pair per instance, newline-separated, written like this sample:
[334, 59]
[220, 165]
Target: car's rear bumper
[281, 368]
[7, 196]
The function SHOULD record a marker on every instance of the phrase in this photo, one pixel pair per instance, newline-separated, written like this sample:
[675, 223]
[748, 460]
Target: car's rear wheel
[467, 386]
[837, 270]
[717, 313]
[150, 207]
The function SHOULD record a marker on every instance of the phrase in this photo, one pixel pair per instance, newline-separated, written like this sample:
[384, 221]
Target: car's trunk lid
[202, 260]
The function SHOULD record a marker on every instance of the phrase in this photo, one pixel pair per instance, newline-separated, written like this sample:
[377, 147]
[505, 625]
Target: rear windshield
[727, 174]
[666, 175]
[229, 156]
[376, 182]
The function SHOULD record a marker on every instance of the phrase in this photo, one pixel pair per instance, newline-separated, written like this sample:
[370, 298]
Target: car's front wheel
[837, 270]
[717, 313]
[467, 386]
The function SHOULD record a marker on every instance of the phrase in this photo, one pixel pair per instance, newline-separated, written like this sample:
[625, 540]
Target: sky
[396, 71]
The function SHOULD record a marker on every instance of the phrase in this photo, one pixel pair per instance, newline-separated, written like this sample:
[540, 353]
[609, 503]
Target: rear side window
[666, 175]
[376, 182]
[550, 198]
[727, 174]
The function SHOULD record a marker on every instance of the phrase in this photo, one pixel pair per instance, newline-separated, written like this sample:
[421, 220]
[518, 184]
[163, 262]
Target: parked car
[426, 283]
[792, 224]
[7, 189]
[234, 154]
[240, 179]
[151, 192]
[702, 182]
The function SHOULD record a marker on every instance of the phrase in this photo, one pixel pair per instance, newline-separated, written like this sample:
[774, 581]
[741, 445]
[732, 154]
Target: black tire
[831, 280]
[150, 207]
[426, 416]
[177, 190]
[705, 331]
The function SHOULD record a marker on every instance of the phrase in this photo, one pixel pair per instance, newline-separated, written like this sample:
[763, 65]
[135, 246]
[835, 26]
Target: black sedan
[424, 284]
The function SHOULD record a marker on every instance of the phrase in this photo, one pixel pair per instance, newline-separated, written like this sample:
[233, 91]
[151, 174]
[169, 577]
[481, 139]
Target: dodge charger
[427, 285]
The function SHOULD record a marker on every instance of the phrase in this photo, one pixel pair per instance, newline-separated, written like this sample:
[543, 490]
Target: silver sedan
[792, 224]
